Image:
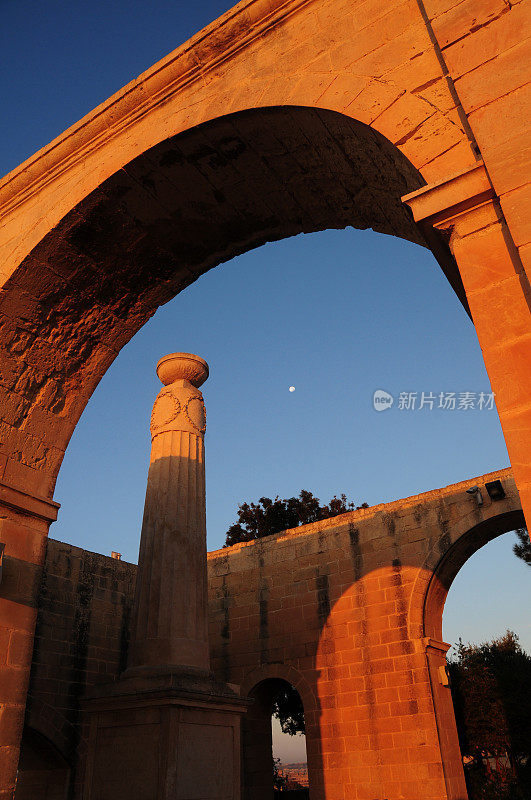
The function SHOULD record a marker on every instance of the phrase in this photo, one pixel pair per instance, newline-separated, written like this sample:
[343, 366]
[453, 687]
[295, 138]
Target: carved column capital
[178, 408]
[179, 405]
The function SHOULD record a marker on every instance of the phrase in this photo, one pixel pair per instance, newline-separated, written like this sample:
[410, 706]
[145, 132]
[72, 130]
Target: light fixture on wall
[495, 490]
[475, 491]
[444, 675]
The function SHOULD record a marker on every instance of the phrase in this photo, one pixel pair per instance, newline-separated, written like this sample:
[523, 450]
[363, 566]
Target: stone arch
[52, 725]
[43, 770]
[447, 567]
[262, 685]
[450, 550]
[375, 64]
[381, 65]
[427, 608]
[101, 269]
[448, 536]
[150, 229]
[285, 672]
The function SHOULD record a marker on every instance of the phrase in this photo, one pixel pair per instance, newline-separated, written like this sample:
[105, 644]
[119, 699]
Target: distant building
[296, 774]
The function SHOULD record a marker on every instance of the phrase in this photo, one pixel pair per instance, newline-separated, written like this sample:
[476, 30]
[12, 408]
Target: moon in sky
[292, 388]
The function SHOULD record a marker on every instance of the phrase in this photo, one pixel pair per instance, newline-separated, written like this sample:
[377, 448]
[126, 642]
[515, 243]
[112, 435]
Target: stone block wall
[347, 610]
[81, 638]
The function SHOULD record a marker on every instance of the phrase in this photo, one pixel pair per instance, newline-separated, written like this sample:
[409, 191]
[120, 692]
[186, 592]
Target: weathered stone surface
[497, 288]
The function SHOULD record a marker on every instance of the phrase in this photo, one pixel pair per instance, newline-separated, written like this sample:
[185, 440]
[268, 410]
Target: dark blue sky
[336, 314]
[61, 59]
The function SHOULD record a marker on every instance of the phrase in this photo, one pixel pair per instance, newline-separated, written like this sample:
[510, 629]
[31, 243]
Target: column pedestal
[167, 729]
[164, 737]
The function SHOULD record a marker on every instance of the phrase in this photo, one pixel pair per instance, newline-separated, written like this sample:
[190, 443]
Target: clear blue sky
[336, 314]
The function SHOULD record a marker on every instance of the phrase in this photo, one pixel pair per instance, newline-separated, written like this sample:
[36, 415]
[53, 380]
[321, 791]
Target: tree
[288, 709]
[522, 549]
[279, 782]
[492, 700]
[256, 520]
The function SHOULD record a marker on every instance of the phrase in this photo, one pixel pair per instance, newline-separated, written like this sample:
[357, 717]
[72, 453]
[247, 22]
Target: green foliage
[492, 700]
[266, 517]
[484, 786]
[288, 709]
[522, 549]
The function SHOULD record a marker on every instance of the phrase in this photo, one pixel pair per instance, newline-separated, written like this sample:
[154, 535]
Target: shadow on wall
[387, 626]
[42, 771]
[351, 608]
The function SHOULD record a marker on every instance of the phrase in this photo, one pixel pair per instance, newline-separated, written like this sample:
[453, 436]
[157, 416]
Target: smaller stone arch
[455, 544]
[463, 547]
[52, 725]
[261, 686]
[43, 771]
[287, 673]
[444, 560]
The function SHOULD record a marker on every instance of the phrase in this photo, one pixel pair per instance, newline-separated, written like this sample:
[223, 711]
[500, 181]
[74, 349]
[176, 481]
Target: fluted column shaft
[170, 623]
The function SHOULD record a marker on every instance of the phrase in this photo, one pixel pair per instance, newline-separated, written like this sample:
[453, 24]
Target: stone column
[170, 619]
[167, 728]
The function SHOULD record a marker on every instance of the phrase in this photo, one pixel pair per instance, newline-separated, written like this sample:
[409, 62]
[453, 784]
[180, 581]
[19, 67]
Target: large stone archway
[95, 234]
[148, 231]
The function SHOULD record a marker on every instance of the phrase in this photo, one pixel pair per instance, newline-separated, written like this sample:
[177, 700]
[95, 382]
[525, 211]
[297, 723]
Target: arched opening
[184, 206]
[261, 327]
[289, 745]
[453, 746]
[266, 774]
[490, 594]
[490, 668]
[455, 558]
[42, 770]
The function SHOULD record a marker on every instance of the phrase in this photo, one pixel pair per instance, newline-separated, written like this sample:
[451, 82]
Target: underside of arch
[189, 203]
[42, 770]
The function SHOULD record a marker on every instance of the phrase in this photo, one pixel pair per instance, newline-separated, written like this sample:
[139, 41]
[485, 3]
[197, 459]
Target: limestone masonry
[409, 117]
[348, 610]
